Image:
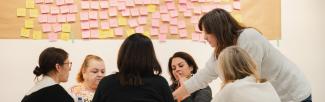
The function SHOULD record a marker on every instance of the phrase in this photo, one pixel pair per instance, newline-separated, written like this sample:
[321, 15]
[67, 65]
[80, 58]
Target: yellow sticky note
[29, 23]
[21, 12]
[65, 36]
[147, 33]
[238, 17]
[111, 33]
[152, 8]
[225, 0]
[24, 32]
[30, 4]
[33, 13]
[103, 34]
[129, 31]
[66, 28]
[122, 21]
[37, 35]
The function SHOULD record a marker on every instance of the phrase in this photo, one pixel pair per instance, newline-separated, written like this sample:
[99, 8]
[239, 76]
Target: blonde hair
[84, 66]
[235, 63]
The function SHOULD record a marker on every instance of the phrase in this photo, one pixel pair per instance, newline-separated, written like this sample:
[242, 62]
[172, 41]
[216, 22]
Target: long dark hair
[188, 59]
[223, 26]
[48, 59]
[136, 59]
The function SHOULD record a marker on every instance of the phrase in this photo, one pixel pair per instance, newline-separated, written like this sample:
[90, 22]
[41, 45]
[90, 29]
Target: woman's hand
[181, 93]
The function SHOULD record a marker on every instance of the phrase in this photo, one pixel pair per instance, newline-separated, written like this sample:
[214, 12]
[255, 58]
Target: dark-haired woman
[138, 78]
[221, 31]
[54, 67]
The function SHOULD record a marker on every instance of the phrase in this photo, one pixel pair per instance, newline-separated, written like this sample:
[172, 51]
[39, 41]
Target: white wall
[302, 41]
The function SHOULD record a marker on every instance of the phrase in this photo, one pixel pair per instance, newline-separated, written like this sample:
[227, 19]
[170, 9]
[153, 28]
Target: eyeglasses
[69, 63]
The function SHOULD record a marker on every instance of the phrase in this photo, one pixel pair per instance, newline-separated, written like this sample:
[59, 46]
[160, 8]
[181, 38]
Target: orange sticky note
[65, 36]
[66, 28]
[29, 23]
[152, 8]
[24, 32]
[21, 12]
[37, 35]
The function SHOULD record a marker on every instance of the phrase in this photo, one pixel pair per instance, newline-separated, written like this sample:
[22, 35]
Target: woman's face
[210, 38]
[64, 71]
[180, 67]
[94, 73]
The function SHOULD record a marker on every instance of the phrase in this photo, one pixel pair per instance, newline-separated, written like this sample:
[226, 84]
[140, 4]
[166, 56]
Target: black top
[154, 89]
[202, 95]
[54, 93]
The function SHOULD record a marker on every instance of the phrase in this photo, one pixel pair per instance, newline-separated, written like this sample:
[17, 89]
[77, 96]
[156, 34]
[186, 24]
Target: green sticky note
[33, 13]
[66, 28]
[21, 12]
[24, 32]
[29, 23]
[37, 34]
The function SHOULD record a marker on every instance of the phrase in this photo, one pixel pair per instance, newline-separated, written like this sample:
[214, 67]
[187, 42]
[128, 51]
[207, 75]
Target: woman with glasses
[54, 67]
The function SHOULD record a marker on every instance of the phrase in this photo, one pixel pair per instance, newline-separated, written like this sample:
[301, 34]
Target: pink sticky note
[62, 18]
[121, 6]
[197, 10]
[52, 37]
[73, 8]
[155, 22]
[39, 1]
[85, 34]
[188, 13]
[69, 1]
[134, 11]
[201, 38]
[46, 27]
[196, 28]
[84, 15]
[93, 15]
[155, 2]
[202, 1]
[182, 1]
[55, 10]
[48, 1]
[236, 5]
[154, 31]
[113, 22]
[119, 31]
[103, 4]
[170, 5]
[162, 37]
[205, 8]
[163, 9]
[42, 18]
[94, 5]
[139, 2]
[173, 21]
[146, 2]
[56, 27]
[129, 3]
[195, 19]
[51, 18]
[189, 5]
[156, 15]
[85, 25]
[181, 24]
[143, 10]
[93, 24]
[182, 7]
[173, 13]
[112, 11]
[71, 17]
[228, 8]
[44, 8]
[133, 22]
[104, 25]
[113, 3]
[64, 9]
[94, 33]
[126, 12]
[165, 17]
[103, 14]
[59, 2]
[164, 28]
[195, 36]
[182, 33]
[139, 29]
[85, 4]
[142, 20]
[173, 29]
[168, 0]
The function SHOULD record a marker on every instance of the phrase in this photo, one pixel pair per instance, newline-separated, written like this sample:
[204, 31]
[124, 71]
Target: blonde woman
[91, 72]
[241, 80]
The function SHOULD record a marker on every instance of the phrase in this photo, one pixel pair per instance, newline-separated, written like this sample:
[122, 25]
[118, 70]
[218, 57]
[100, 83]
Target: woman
[241, 82]
[91, 72]
[54, 66]
[182, 66]
[221, 31]
[138, 78]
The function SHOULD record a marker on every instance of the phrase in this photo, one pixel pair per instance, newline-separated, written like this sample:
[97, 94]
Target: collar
[46, 81]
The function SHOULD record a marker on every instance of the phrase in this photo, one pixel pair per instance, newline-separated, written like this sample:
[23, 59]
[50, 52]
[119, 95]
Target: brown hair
[223, 26]
[188, 59]
[235, 63]
[84, 66]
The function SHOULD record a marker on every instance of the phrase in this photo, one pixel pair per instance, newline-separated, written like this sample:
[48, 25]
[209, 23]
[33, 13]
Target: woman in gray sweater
[221, 31]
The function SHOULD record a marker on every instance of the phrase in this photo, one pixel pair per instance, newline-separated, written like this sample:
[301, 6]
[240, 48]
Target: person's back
[154, 89]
